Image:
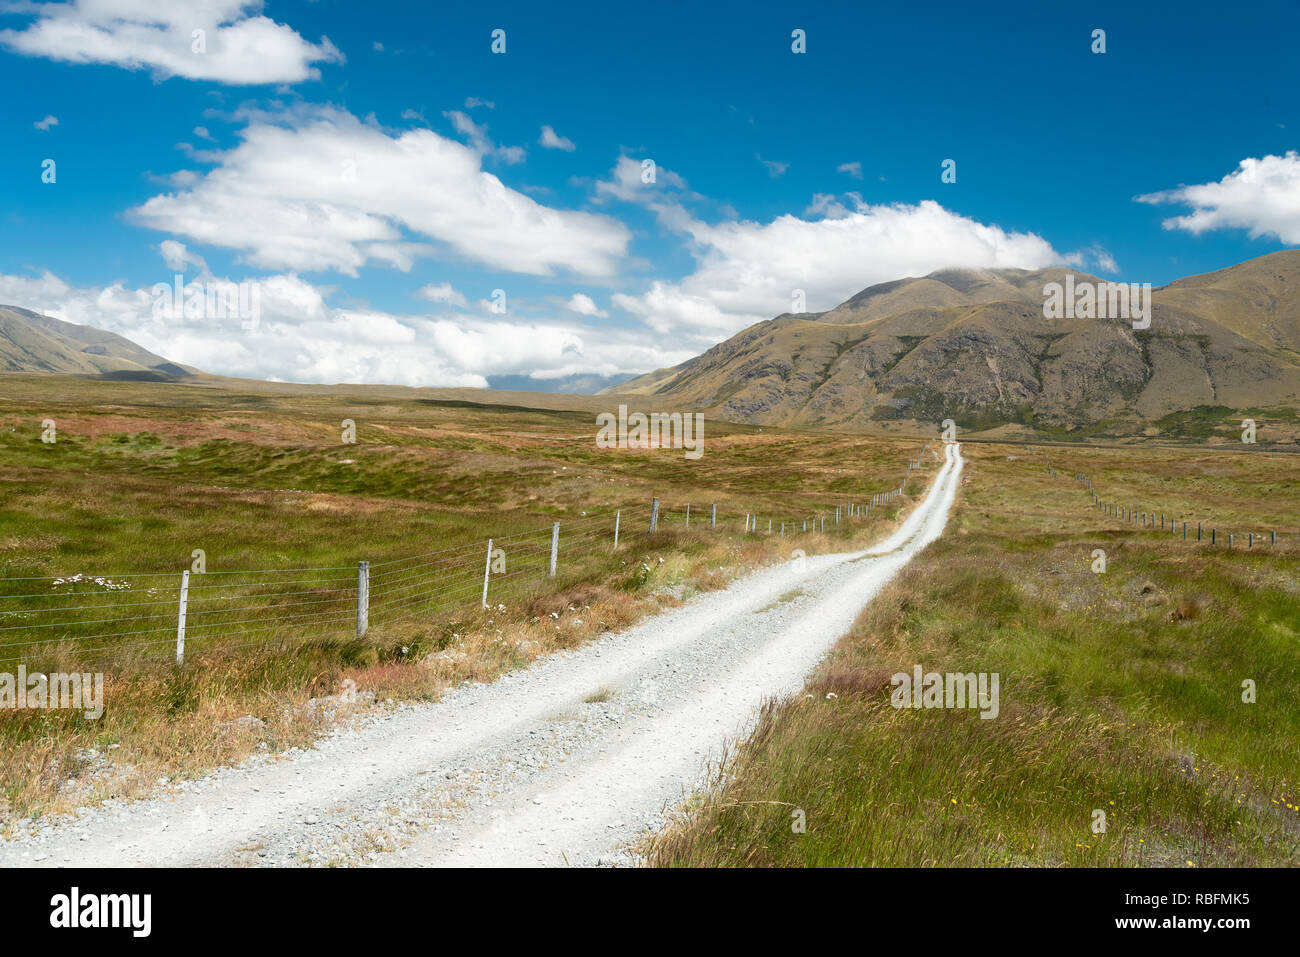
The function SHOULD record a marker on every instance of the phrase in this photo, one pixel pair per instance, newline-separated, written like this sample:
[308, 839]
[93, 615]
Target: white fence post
[180, 617]
[654, 514]
[688, 514]
[617, 516]
[713, 517]
[555, 546]
[487, 570]
[363, 597]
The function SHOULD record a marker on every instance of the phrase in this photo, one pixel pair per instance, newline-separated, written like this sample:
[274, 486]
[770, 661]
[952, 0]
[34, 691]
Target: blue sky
[379, 172]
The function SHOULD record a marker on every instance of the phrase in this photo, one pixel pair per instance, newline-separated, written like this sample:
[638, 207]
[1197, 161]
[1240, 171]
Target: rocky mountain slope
[974, 345]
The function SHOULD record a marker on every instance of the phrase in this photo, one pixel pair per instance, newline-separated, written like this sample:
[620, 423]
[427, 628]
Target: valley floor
[570, 761]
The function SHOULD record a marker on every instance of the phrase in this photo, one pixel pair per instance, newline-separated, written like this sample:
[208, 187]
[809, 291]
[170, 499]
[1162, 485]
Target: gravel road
[569, 761]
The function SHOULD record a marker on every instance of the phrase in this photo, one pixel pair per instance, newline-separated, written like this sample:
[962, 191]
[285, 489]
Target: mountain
[30, 342]
[580, 384]
[974, 345]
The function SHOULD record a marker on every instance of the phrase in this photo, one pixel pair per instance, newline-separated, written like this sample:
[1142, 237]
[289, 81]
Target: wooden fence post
[654, 514]
[555, 546]
[487, 570]
[617, 515]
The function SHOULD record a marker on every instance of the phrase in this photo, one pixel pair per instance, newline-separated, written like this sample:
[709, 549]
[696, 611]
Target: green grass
[1120, 692]
[143, 474]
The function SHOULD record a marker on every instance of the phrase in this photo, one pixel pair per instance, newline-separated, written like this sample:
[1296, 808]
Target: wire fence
[1188, 530]
[164, 614]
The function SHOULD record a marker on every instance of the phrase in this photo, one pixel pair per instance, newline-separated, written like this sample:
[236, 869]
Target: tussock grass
[143, 473]
[1120, 692]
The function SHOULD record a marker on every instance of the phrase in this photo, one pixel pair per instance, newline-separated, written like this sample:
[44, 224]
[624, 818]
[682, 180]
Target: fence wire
[156, 615]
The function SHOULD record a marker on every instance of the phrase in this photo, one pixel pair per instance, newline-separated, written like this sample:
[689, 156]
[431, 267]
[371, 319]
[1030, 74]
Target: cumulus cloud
[853, 169]
[584, 305]
[444, 293]
[316, 189]
[176, 257]
[1261, 195]
[748, 271]
[476, 133]
[553, 141]
[226, 41]
[300, 337]
[45, 124]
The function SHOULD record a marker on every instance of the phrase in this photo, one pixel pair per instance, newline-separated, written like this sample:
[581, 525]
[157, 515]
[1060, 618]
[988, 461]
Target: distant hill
[580, 384]
[974, 345]
[30, 342]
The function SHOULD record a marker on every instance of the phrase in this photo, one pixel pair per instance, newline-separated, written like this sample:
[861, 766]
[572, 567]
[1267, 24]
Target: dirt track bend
[525, 770]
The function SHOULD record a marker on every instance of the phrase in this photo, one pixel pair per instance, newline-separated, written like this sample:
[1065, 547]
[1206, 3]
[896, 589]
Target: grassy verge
[1121, 693]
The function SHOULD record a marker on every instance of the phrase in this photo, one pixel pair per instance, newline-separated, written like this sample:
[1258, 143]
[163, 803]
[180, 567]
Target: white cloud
[444, 293]
[480, 142]
[238, 45]
[176, 257]
[774, 169]
[853, 169]
[1261, 195]
[552, 141]
[301, 338]
[319, 190]
[49, 121]
[748, 271]
[584, 305]
[472, 101]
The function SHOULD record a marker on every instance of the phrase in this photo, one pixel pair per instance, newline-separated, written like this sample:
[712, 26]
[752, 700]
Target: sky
[514, 195]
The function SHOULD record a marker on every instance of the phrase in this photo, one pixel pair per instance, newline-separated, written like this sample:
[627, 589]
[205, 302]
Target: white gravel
[522, 771]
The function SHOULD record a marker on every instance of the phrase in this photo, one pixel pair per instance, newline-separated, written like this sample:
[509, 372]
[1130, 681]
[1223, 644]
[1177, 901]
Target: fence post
[1214, 534]
[1198, 531]
[654, 514]
[688, 514]
[555, 546]
[180, 617]
[713, 517]
[363, 597]
[805, 524]
[617, 515]
[487, 570]
[1251, 541]
[769, 525]
[823, 523]
[1274, 533]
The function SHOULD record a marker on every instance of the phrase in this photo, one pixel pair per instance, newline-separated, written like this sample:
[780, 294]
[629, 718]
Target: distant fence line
[1136, 515]
[170, 609]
